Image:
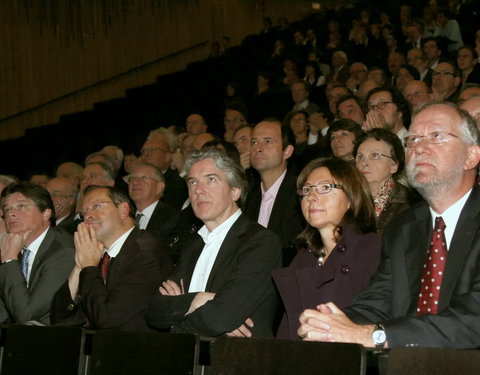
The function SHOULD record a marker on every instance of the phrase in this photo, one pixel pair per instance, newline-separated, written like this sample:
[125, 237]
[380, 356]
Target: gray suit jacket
[391, 297]
[240, 278]
[50, 269]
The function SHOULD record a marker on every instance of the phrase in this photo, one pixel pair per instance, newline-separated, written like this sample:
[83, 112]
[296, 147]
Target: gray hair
[167, 135]
[233, 170]
[107, 170]
[469, 133]
[6, 180]
[158, 173]
[107, 159]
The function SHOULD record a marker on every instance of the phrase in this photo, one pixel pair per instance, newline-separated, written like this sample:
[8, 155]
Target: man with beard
[426, 290]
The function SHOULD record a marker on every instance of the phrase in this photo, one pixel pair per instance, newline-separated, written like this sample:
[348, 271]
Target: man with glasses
[388, 109]
[446, 82]
[146, 185]
[36, 257]
[158, 150]
[64, 196]
[425, 292]
[117, 267]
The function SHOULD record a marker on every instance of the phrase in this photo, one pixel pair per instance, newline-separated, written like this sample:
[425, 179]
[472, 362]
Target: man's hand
[317, 122]
[200, 299]
[245, 160]
[329, 323]
[243, 330]
[171, 288]
[89, 250]
[11, 245]
[373, 120]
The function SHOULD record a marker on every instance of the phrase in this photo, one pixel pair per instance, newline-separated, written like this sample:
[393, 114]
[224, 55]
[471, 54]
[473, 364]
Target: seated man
[426, 291]
[117, 267]
[36, 258]
[64, 196]
[223, 276]
[145, 187]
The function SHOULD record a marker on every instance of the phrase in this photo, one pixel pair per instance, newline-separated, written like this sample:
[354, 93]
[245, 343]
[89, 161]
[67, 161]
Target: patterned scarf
[381, 198]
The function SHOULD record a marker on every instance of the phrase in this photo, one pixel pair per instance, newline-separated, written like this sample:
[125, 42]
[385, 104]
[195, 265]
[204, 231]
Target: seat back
[119, 352]
[239, 356]
[43, 350]
[403, 361]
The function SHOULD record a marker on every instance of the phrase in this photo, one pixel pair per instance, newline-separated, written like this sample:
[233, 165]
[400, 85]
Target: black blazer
[163, 221]
[286, 219]
[69, 224]
[391, 297]
[175, 193]
[240, 278]
[305, 284]
[133, 276]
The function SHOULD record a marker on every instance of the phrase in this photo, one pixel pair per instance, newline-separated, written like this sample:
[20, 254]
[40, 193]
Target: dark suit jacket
[69, 224]
[391, 297]
[51, 267]
[133, 276]
[240, 278]
[286, 219]
[305, 284]
[175, 193]
[163, 221]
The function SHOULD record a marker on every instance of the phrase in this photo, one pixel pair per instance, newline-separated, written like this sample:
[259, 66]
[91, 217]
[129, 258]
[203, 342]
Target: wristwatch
[379, 336]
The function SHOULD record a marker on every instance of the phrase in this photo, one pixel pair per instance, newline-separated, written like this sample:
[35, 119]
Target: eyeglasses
[442, 73]
[379, 106]
[435, 138]
[97, 206]
[322, 188]
[20, 207]
[132, 178]
[150, 150]
[371, 156]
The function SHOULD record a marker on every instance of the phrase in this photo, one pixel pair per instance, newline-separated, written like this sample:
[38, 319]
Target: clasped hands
[329, 323]
[89, 250]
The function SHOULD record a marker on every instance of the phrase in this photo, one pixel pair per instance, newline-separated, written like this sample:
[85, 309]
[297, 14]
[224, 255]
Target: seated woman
[380, 157]
[338, 251]
[341, 136]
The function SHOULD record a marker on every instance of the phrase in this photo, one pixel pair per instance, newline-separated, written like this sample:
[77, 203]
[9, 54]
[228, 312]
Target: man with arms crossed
[223, 276]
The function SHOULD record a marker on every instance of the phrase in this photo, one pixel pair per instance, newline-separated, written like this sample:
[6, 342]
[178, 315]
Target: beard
[435, 183]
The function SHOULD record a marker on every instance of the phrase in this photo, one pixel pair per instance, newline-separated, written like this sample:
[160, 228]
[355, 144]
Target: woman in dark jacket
[380, 157]
[338, 251]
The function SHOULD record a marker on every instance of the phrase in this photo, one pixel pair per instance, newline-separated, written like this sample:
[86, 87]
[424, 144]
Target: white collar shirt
[450, 216]
[146, 215]
[115, 247]
[213, 241]
[33, 247]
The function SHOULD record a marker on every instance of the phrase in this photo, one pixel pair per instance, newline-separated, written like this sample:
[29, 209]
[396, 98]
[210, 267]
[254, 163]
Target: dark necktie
[138, 216]
[24, 263]
[433, 271]
[104, 265]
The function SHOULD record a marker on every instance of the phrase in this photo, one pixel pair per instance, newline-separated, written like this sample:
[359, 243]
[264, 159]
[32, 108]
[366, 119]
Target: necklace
[321, 258]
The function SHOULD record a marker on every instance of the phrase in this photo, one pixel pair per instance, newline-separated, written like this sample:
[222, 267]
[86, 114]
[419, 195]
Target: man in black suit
[36, 257]
[64, 196]
[145, 187]
[223, 276]
[272, 202]
[117, 267]
[399, 307]
[158, 150]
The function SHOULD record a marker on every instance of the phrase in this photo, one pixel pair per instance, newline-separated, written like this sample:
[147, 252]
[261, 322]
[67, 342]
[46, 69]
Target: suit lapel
[44, 246]
[460, 246]
[416, 235]
[228, 248]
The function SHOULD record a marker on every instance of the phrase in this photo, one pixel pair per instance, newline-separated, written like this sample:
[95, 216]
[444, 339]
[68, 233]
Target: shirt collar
[275, 187]
[115, 247]
[35, 245]
[148, 211]
[221, 231]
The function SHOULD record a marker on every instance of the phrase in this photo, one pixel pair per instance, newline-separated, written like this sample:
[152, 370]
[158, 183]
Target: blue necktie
[26, 255]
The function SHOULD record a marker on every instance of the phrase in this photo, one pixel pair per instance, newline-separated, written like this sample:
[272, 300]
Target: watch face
[379, 337]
